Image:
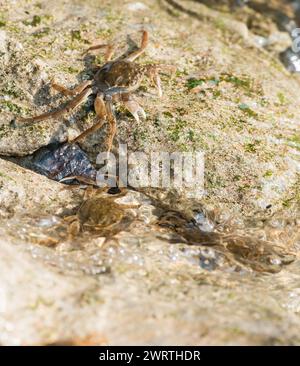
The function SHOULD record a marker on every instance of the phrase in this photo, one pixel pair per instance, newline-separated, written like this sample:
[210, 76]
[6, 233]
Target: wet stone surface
[107, 271]
[291, 60]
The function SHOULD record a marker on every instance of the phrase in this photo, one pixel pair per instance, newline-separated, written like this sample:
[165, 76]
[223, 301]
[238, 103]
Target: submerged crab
[99, 213]
[113, 82]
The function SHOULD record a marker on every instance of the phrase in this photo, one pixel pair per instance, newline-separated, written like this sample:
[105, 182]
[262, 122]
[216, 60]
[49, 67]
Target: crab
[101, 214]
[115, 81]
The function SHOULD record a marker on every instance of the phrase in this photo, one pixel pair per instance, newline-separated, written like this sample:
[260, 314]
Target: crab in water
[113, 82]
[101, 214]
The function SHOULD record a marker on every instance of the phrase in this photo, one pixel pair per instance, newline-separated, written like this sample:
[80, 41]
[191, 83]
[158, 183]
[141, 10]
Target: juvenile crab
[101, 214]
[113, 82]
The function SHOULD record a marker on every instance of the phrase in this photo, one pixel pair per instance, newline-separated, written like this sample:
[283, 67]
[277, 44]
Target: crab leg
[90, 130]
[80, 98]
[157, 83]
[78, 89]
[166, 68]
[110, 49]
[119, 94]
[112, 124]
[101, 118]
[153, 73]
[104, 111]
[80, 179]
[93, 48]
[135, 109]
[109, 52]
[133, 55]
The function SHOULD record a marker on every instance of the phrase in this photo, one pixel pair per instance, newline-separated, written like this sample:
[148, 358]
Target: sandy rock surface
[220, 270]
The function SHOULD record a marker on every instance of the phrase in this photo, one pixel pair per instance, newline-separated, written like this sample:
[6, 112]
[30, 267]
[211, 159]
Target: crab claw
[135, 109]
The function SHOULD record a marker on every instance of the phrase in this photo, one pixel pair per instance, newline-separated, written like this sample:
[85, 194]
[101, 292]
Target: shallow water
[202, 241]
[238, 279]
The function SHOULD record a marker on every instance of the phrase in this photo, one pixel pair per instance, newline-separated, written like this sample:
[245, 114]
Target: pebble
[58, 161]
[291, 60]
[137, 6]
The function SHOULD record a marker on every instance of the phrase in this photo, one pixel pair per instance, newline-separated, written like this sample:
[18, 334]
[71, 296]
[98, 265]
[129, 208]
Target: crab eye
[108, 98]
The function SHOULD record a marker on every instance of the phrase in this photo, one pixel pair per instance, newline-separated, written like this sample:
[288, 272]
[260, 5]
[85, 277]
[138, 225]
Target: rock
[33, 293]
[60, 161]
[233, 137]
[291, 60]
[47, 299]
[137, 6]
[20, 193]
[183, 271]
[24, 140]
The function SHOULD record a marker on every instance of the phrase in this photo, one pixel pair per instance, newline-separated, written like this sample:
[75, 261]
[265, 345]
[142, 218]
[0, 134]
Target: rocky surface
[21, 192]
[58, 289]
[243, 114]
[222, 270]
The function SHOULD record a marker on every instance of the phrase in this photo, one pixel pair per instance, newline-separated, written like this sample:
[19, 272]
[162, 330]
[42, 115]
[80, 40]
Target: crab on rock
[113, 82]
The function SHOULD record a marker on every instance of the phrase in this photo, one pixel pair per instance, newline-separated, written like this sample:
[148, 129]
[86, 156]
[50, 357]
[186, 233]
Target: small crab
[113, 82]
[99, 213]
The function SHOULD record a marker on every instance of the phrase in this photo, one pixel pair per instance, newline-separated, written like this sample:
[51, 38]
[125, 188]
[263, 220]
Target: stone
[183, 271]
